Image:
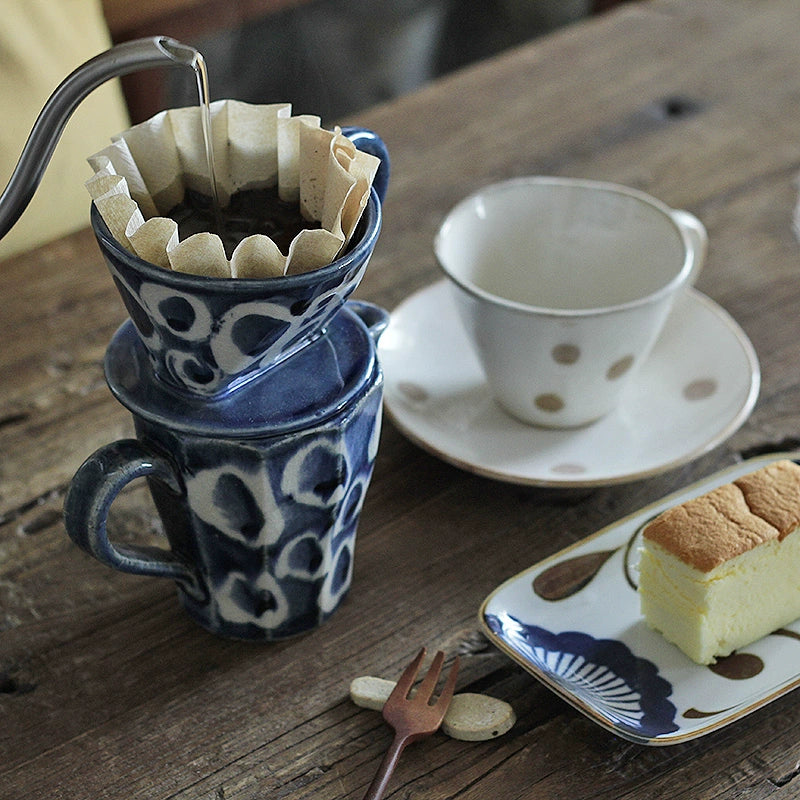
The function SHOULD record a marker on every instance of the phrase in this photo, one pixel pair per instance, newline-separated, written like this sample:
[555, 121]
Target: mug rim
[680, 278]
[371, 218]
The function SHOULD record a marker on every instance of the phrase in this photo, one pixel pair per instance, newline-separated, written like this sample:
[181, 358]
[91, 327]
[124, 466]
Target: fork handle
[385, 770]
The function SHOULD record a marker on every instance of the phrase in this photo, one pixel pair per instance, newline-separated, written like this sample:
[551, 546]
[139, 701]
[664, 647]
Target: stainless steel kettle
[122, 59]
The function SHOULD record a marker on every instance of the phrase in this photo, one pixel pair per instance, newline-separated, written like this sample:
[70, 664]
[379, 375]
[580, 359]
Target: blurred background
[328, 57]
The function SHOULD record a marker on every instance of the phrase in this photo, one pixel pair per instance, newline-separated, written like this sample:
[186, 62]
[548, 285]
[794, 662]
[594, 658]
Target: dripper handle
[374, 317]
[122, 59]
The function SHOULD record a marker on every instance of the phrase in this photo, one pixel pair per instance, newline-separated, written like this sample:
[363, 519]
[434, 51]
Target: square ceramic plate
[573, 621]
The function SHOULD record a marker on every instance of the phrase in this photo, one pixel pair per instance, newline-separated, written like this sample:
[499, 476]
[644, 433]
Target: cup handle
[94, 488]
[369, 142]
[697, 235]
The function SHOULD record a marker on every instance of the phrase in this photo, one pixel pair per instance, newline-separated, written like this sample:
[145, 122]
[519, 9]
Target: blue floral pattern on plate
[599, 673]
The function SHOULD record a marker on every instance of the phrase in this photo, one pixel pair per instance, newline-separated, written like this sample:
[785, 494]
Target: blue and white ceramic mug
[208, 336]
[259, 492]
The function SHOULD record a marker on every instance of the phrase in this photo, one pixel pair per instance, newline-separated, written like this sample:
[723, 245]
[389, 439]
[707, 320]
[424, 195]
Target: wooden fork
[412, 717]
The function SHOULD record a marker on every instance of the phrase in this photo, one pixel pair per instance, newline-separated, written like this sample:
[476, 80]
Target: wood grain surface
[108, 691]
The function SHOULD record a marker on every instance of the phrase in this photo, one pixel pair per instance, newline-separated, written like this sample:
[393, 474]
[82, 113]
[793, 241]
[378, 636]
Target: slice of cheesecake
[722, 570]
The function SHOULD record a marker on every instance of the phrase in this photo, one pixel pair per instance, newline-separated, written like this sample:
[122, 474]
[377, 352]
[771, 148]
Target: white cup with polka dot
[563, 287]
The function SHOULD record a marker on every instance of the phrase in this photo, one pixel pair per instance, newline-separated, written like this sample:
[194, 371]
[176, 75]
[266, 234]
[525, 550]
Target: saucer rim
[520, 479]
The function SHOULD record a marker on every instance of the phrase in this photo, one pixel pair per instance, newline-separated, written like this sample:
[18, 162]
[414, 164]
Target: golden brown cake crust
[773, 493]
[709, 530]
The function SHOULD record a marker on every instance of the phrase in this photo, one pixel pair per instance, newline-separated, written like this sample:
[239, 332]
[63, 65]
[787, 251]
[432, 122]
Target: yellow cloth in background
[41, 42]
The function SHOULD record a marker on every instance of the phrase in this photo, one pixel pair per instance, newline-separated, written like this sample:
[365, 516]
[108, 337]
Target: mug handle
[697, 235]
[94, 488]
[369, 142]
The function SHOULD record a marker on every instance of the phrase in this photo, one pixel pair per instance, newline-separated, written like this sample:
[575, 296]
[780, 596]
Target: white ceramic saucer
[698, 386]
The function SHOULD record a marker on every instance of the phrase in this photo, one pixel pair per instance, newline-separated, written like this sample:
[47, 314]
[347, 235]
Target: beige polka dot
[548, 402]
[569, 469]
[700, 389]
[412, 392]
[619, 368]
[565, 353]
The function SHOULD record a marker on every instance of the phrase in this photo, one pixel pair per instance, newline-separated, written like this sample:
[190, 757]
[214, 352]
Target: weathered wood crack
[47, 518]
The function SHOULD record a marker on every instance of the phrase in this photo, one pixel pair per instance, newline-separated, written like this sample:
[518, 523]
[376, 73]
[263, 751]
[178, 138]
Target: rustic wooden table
[108, 690]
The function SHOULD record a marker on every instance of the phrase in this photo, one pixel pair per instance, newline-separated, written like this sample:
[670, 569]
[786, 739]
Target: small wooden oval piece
[369, 692]
[470, 717]
[477, 717]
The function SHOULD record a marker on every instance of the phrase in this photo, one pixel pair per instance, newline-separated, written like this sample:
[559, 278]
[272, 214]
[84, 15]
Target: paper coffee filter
[146, 170]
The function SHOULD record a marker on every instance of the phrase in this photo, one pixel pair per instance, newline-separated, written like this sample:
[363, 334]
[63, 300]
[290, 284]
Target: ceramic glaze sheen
[208, 336]
[259, 493]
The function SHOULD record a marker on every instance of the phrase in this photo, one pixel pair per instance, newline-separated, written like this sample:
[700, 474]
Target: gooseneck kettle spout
[122, 59]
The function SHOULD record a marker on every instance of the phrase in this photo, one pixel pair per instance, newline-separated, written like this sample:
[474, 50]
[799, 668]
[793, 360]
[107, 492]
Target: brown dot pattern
[568, 354]
[548, 402]
[413, 392]
[700, 389]
[568, 468]
[565, 353]
[619, 368]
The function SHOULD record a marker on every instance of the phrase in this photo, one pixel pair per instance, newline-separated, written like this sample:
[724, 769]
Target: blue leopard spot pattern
[271, 527]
